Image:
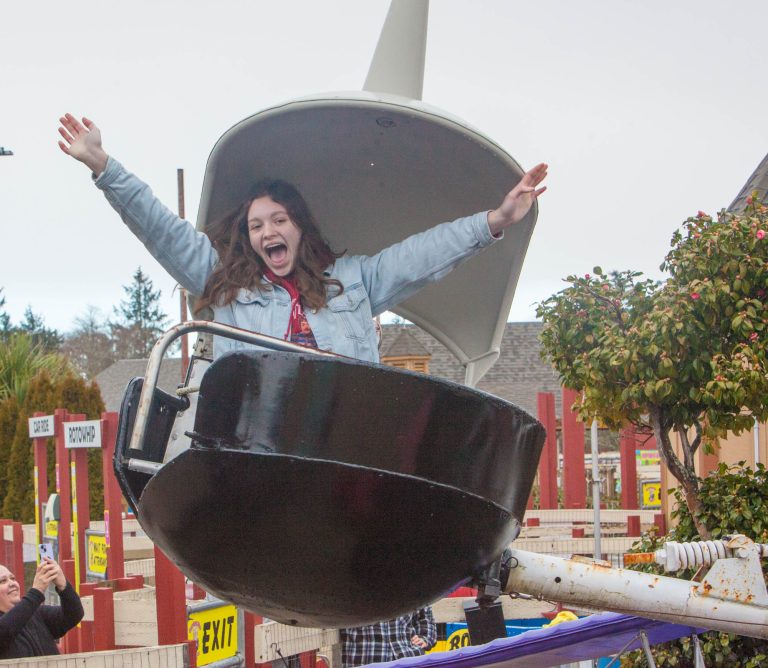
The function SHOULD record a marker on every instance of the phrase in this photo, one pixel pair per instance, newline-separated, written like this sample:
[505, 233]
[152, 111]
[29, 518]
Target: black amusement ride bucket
[331, 492]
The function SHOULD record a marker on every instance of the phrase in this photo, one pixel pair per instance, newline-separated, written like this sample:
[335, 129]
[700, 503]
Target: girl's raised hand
[519, 200]
[82, 141]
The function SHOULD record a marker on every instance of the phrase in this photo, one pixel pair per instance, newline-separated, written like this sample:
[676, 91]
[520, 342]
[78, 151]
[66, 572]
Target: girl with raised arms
[266, 267]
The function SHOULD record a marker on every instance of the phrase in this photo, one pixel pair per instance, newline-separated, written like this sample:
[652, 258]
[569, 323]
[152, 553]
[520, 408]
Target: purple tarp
[600, 635]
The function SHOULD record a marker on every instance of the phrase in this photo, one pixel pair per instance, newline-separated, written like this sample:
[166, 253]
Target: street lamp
[5, 151]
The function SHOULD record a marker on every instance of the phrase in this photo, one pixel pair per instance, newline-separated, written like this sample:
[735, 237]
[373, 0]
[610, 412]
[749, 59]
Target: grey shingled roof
[113, 380]
[404, 345]
[758, 183]
[518, 375]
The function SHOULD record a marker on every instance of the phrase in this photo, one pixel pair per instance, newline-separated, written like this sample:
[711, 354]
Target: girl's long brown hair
[240, 266]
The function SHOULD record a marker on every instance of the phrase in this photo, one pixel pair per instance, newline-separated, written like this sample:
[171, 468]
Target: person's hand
[82, 141]
[45, 574]
[418, 641]
[519, 200]
[58, 575]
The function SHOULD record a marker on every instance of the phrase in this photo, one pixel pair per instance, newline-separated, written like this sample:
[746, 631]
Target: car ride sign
[41, 426]
[82, 434]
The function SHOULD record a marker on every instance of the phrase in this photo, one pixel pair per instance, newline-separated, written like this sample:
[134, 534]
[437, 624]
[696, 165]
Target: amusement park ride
[278, 477]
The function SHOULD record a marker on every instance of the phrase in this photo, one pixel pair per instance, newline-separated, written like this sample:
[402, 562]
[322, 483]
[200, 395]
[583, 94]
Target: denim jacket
[372, 284]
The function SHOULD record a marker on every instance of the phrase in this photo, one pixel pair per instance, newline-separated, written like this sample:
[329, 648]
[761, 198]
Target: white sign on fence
[41, 426]
[84, 434]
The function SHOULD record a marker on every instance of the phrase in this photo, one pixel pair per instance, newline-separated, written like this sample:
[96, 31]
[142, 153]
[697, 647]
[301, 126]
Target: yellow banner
[647, 457]
[215, 633]
[52, 529]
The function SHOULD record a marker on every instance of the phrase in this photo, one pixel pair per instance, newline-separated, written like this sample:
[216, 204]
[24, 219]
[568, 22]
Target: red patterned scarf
[298, 328]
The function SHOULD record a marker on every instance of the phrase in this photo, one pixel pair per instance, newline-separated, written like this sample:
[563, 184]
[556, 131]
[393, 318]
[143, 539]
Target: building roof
[757, 183]
[114, 379]
[404, 345]
[518, 375]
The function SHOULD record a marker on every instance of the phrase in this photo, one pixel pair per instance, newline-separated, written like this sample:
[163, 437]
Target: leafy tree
[21, 359]
[683, 358]
[734, 500]
[34, 325]
[89, 346]
[140, 319]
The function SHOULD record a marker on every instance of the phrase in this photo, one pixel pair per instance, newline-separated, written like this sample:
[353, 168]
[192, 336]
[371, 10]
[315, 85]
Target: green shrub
[734, 501]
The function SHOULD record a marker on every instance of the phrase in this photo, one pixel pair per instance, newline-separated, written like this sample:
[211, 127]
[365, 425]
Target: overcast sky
[646, 111]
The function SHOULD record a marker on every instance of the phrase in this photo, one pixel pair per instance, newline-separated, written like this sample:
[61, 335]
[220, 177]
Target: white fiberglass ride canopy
[374, 169]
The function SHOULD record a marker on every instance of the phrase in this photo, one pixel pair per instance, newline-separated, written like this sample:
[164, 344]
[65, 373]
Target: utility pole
[182, 291]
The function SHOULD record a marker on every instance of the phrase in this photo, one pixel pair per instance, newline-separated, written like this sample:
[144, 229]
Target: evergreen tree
[18, 501]
[140, 320]
[34, 325]
[46, 394]
[5, 319]
[9, 414]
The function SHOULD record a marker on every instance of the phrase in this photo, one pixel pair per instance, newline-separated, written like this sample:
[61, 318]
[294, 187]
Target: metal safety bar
[215, 328]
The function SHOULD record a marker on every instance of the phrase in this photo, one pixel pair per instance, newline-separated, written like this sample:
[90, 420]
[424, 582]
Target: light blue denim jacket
[372, 284]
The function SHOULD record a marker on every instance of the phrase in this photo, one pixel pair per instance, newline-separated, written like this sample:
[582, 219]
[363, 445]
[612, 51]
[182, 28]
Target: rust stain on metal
[639, 558]
[588, 561]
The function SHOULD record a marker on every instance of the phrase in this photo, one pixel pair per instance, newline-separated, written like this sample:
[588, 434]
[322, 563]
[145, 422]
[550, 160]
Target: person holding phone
[27, 627]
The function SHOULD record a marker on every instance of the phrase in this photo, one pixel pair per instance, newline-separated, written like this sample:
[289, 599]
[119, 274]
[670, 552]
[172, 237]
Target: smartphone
[45, 550]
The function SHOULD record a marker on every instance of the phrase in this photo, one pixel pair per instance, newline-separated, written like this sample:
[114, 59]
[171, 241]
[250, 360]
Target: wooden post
[308, 659]
[40, 453]
[548, 461]
[192, 654]
[63, 488]
[129, 583]
[70, 643]
[633, 525]
[103, 619]
[18, 554]
[5, 551]
[86, 628]
[249, 651]
[113, 499]
[627, 447]
[81, 507]
[171, 601]
[574, 476]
